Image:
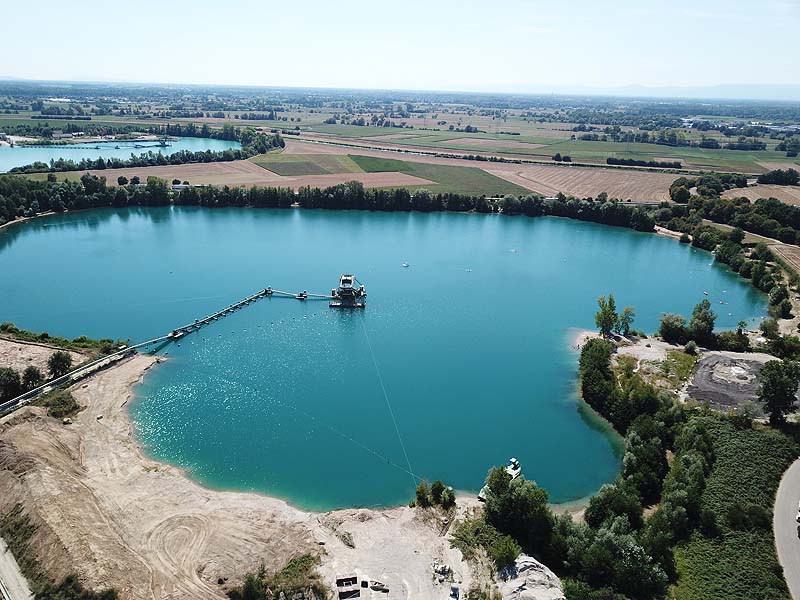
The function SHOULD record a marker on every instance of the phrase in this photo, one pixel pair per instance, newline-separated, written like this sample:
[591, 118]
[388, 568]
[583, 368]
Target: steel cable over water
[414, 478]
[335, 430]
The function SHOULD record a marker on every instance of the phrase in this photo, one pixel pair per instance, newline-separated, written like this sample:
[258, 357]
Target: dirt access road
[785, 528]
[13, 585]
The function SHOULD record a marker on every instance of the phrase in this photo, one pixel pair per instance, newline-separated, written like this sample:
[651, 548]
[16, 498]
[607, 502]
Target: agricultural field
[305, 164]
[540, 141]
[583, 182]
[448, 178]
[245, 173]
[790, 194]
[789, 254]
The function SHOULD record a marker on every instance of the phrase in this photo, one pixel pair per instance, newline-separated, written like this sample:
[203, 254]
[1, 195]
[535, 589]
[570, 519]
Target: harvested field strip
[789, 254]
[785, 193]
[582, 182]
[453, 179]
[245, 173]
[787, 164]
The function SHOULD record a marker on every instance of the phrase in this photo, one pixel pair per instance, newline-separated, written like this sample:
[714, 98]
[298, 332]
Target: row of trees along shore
[21, 197]
[689, 214]
[715, 489]
[253, 143]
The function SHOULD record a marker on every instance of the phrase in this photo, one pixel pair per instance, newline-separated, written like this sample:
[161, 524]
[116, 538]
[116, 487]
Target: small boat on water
[405, 264]
[514, 469]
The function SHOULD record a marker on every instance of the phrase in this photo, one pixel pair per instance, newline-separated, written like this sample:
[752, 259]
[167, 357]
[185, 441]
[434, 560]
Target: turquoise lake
[19, 156]
[471, 342]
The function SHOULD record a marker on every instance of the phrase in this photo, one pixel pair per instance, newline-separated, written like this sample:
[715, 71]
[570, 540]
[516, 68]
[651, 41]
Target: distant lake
[471, 341]
[19, 156]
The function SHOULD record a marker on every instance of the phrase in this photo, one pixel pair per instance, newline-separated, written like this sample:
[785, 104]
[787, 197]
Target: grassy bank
[79, 344]
[17, 529]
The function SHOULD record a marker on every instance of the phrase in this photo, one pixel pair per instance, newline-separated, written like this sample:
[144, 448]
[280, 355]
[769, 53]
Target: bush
[437, 489]
[747, 516]
[59, 363]
[10, 384]
[448, 498]
[672, 328]
[690, 348]
[60, 404]
[612, 501]
[503, 551]
[423, 495]
[708, 523]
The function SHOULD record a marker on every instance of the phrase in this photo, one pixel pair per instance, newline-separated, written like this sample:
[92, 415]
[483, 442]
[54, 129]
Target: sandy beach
[117, 518]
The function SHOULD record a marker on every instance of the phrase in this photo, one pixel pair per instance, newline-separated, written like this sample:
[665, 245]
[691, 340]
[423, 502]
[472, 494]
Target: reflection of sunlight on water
[282, 397]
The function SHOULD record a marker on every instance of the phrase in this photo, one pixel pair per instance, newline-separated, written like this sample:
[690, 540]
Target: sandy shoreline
[121, 519]
[23, 219]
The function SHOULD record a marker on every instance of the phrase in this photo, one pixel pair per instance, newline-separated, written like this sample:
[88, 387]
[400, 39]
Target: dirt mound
[14, 461]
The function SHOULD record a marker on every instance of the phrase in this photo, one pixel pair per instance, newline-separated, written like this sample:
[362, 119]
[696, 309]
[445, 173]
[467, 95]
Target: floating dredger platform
[350, 293]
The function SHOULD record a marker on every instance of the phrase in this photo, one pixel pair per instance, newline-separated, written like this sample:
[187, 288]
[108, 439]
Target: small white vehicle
[797, 518]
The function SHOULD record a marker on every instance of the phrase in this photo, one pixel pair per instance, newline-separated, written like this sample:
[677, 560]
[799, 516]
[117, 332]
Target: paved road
[785, 527]
[13, 585]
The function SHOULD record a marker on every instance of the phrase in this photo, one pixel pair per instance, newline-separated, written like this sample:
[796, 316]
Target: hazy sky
[502, 45]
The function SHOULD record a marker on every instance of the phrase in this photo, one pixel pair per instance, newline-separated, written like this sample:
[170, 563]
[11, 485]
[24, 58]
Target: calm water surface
[471, 342]
[24, 155]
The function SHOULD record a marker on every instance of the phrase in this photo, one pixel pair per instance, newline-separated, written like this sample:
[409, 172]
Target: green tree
[519, 508]
[59, 363]
[606, 318]
[785, 309]
[423, 494]
[448, 499]
[672, 328]
[32, 377]
[612, 501]
[736, 235]
[680, 194]
[437, 489]
[625, 320]
[769, 327]
[778, 389]
[10, 384]
[504, 551]
[701, 325]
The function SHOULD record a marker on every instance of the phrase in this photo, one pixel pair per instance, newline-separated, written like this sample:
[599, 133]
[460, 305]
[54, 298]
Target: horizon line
[625, 90]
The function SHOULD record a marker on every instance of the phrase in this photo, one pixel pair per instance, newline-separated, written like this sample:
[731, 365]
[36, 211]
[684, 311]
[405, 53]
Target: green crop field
[531, 134]
[447, 178]
[354, 131]
[305, 164]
